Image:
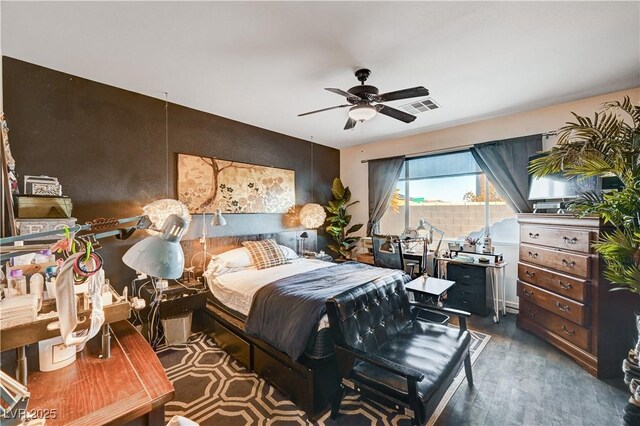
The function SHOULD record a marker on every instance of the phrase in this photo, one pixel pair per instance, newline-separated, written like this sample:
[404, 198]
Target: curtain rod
[445, 150]
[418, 154]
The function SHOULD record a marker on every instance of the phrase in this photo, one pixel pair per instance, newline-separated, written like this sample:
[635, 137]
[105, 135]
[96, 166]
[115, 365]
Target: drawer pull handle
[532, 313]
[563, 308]
[467, 276]
[568, 240]
[533, 236]
[568, 263]
[568, 332]
[534, 255]
[526, 292]
[565, 286]
[529, 274]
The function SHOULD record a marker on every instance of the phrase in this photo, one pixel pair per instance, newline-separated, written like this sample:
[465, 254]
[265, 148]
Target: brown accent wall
[107, 147]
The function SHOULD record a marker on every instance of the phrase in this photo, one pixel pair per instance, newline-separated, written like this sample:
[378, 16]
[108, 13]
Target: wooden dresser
[565, 300]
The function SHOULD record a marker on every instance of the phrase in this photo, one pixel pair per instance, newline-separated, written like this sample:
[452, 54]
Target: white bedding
[236, 290]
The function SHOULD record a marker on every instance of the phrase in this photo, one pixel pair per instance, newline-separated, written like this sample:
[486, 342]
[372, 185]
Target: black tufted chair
[386, 353]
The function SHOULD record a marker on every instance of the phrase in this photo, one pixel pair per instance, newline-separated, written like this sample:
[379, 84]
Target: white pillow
[288, 252]
[240, 257]
[236, 258]
[219, 268]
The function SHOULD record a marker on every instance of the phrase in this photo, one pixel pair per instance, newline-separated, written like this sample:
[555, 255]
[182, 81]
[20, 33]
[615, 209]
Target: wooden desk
[130, 386]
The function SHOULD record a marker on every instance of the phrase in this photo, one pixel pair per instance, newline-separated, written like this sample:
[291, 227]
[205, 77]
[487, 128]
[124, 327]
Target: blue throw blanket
[285, 313]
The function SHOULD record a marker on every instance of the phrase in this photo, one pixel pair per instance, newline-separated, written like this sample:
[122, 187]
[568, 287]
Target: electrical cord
[203, 253]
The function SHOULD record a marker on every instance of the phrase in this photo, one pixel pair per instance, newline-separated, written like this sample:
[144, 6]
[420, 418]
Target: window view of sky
[448, 189]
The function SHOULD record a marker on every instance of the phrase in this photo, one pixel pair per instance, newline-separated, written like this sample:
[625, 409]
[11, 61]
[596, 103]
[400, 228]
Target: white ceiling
[263, 63]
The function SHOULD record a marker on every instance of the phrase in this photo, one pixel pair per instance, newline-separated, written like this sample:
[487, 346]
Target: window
[450, 192]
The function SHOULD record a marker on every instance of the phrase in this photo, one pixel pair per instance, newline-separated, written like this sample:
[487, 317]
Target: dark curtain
[383, 178]
[505, 163]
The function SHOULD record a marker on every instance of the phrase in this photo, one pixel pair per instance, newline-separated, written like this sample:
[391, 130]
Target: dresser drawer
[558, 305]
[569, 331]
[467, 275]
[564, 285]
[473, 302]
[570, 239]
[571, 263]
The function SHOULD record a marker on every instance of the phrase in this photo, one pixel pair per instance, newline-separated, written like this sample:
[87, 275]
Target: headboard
[193, 249]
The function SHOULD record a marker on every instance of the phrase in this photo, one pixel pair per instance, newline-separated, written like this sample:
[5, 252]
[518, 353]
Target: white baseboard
[513, 307]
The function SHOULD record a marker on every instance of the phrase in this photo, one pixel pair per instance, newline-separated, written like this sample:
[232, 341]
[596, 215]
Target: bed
[308, 375]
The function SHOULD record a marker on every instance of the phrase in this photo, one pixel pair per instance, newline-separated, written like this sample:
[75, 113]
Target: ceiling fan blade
[351, 123]
[395, 113]
[343, 93]
[323, 109]
[414, 92]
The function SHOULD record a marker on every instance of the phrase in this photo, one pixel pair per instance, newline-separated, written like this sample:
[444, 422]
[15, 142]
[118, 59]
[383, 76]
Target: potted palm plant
[608, 145]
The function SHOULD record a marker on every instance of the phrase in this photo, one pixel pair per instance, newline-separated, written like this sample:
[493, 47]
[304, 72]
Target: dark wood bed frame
[311, 384]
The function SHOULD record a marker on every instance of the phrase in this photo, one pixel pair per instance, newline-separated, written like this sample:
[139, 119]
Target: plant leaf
[354, 228]
[337, 188]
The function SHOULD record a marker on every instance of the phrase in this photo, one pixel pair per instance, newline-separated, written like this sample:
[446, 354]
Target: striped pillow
[265, 253]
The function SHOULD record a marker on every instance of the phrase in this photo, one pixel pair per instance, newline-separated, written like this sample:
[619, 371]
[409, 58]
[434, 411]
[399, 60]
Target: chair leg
[335, 406]
[467, 370]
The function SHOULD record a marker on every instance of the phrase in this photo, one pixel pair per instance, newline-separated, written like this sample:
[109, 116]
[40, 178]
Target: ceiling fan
[360, 100]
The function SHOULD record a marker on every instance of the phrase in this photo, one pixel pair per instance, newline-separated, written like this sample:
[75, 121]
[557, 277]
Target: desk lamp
[388, 245]
[428, 233]
[161, 255]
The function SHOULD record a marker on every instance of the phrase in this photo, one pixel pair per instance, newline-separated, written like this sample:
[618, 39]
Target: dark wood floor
[522, 380]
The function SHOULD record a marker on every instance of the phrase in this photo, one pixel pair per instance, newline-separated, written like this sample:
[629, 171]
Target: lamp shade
[362, 112]
[218, 220]
[160, 256]
[387, 246]
[159, 210]
[312, 215]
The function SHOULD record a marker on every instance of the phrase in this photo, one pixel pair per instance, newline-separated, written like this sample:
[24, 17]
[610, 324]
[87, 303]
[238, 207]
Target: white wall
[354, 173]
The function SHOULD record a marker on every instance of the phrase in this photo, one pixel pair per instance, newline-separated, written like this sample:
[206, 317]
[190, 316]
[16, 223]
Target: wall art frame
[205, 184]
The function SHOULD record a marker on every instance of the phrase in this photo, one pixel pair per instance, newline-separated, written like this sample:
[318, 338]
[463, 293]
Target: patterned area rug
[213, 389]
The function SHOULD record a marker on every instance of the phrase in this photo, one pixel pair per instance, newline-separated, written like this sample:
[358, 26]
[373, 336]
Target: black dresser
[470, 292]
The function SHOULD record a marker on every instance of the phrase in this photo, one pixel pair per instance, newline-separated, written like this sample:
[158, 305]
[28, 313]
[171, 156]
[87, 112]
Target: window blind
[440, 165]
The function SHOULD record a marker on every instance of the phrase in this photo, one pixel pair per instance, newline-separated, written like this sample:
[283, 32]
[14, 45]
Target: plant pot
[631, 368]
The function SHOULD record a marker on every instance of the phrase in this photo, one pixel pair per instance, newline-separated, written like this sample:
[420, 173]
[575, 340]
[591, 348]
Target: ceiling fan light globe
[362, 112]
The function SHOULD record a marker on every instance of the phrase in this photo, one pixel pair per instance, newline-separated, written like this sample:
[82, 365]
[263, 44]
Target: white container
[177, 329]
[51, 288]
[17, 281]
[36, 286]
[53, 354]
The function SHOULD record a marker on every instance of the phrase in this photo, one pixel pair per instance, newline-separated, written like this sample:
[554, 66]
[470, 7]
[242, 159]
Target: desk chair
[386, 259]
[396, 260]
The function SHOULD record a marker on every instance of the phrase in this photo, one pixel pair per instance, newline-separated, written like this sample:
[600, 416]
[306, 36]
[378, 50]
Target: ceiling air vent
[418, 107]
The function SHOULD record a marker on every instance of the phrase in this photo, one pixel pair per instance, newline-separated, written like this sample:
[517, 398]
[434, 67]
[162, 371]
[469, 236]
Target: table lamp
[161, 255]
[302, 237]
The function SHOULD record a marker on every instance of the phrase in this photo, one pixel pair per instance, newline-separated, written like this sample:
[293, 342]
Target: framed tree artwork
[206, 184]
